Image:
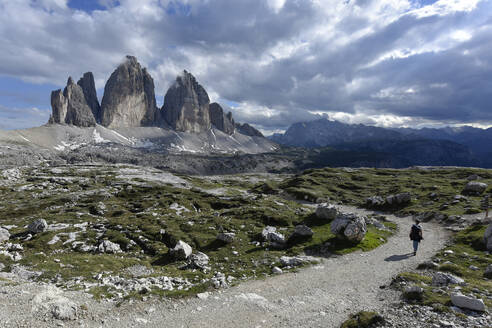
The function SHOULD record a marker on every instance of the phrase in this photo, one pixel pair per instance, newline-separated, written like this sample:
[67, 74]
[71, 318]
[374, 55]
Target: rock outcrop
[248, 130]
[349, 226]
[223, 122]
[88, 86]
[186, 105]
[70, 106]
[129, 99]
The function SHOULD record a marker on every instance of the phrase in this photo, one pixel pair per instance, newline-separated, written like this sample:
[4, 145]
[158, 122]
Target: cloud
[389, 62]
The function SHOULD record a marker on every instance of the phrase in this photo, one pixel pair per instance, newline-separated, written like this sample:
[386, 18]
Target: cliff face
[186, 105]
[70, 107]
[223, 122]
[89, 89]
[129, 98]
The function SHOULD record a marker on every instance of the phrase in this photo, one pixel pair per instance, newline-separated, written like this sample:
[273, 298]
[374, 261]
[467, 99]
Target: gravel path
[318, 296]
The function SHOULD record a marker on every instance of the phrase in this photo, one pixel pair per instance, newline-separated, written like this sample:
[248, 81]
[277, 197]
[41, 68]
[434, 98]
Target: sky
[389, 63]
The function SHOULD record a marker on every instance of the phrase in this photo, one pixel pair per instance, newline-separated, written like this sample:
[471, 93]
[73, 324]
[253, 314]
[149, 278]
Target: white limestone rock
[468, 302]
[181, 251]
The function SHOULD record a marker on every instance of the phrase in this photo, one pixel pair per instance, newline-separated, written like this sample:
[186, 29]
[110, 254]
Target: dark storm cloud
[279, 61]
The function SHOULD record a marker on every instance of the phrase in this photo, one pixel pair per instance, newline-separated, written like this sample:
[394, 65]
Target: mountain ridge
[465, 146]
[129, 101]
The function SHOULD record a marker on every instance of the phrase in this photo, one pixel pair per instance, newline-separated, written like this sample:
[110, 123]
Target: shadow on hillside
[394, 258]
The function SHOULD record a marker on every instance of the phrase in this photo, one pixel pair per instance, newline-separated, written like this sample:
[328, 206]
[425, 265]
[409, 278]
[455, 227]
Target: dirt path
[319, 296]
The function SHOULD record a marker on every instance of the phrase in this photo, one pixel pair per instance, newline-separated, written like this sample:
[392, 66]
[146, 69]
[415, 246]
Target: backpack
[415, 233]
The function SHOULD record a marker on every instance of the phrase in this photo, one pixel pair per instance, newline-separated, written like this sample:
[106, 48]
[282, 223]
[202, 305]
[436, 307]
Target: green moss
[363, 319]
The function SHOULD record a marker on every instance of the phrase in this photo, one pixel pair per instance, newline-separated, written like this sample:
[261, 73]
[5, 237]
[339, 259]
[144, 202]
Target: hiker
[416, 236]
[484, 205]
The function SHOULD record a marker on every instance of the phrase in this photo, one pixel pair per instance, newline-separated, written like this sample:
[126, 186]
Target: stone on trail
[468, 302]
[487, 236]
[349, 226]
[203, 296]
[37, 226]
[443, 279]
[326, 211]
[293, 261]
[4, 235]
[181, 251]
[276, 270]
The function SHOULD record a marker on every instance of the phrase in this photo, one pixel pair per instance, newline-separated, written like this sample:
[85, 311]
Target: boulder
[107, 246]
[349, 226]
[270, 234]
[220, 120]
[467, 302]
[326, 211]
[488, 272]
[129, 98]
[37, 226]
[302, 231]
[473, 177]
[4, 235]
[474, 187]
[51, 300]
[199, 260]
[186, 105]
[487, 237]
[226, 237]
[403, 198]
[375, 201]
[413, 293]
[181, 251]
[391, 200]
[444, 279]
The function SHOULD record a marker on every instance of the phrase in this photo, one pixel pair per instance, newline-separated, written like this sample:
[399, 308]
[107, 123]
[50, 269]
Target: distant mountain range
[463, 146]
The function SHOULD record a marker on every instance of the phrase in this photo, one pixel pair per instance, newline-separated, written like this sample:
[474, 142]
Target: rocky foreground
[75, 241]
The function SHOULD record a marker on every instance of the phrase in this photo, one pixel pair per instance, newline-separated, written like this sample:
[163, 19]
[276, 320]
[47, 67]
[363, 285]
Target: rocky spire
[129, 98]
[89, 88]
[70, 107]
[186, 105]
[221, 121]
